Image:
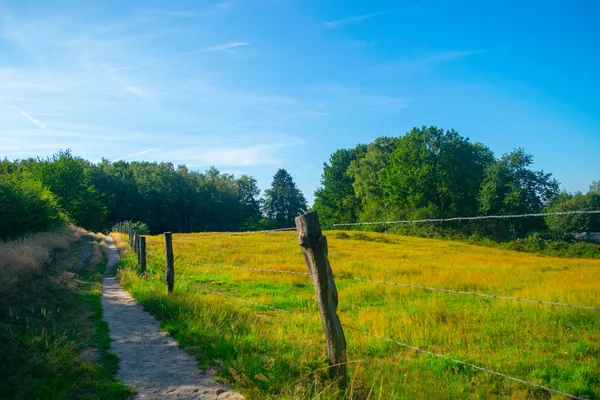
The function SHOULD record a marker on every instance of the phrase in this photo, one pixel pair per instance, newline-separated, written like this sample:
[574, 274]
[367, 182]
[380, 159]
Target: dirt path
[151, 361]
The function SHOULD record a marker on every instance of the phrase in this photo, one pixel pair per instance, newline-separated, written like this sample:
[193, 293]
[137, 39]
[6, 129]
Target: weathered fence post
[314, 250]
[136, 242]
[142, 256]
[131, 237]
[169, 255]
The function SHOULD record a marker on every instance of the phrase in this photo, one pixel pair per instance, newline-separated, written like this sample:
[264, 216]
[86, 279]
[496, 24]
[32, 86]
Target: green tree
[368, 173]
[68, 178]
[335, 200]
[564, 201]
[26, 207]
[435, 173]
[510, 187]
[284, 201]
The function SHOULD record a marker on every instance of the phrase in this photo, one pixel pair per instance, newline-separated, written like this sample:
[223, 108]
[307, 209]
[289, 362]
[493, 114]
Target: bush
[26, 207]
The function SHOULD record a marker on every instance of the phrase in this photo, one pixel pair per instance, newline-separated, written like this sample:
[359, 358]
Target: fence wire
[236, 233]
[281, 271]
[417, 349]
[490, 296]
[489, 371]
[414, 221]
[406, 285]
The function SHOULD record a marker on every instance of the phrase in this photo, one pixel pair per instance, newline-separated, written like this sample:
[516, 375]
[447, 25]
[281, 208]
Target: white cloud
[227, 156]
[139, 153]
[351, 20]
[30, 118]
[222, 47]
[113, 70]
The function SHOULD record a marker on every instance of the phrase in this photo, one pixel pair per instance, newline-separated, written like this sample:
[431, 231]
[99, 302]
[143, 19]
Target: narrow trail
[150, 360]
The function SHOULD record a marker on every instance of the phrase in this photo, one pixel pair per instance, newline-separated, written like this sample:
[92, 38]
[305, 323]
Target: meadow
[280, 353]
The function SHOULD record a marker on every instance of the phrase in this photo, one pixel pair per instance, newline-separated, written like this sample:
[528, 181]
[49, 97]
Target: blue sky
[253, 86]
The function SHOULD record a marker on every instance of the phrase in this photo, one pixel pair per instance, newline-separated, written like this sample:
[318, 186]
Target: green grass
[54, 341]
[273, 354]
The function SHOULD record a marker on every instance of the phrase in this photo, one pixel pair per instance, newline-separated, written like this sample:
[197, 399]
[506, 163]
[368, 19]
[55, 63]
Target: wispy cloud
[132, 89]
[228, 156]
[433, 59]
[113, 70]
[449, 56]
[226, 46]
[383, 101]
[351, 20]
[216, 8]
[30, 118]
[139, 153]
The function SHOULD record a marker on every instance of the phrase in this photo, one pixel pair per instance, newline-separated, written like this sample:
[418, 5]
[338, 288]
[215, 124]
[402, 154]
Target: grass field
[273, 354]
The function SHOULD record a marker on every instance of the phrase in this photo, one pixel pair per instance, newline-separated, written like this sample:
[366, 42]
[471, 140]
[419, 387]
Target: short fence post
[142, 255]
[130, 237]
[314, 250]
[169, 255]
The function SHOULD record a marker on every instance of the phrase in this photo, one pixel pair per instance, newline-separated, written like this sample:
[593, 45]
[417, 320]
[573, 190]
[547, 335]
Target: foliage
[176, 199]
[26, 206]
[274, 354]
[434, 173]
[336, 201]
[368, 173]
[68, 178]
[284, 201]
[575, 202]
[96, 196]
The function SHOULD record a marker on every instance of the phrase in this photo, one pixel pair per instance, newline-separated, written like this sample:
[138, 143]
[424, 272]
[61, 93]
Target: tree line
[435, 173]
[425, 173]
[39, 194]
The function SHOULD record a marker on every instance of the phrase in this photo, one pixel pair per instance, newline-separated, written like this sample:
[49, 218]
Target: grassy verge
[272, 354]
[54, 342]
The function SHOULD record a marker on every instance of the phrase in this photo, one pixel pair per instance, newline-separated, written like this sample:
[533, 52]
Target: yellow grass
[555, 346]
[22, 257]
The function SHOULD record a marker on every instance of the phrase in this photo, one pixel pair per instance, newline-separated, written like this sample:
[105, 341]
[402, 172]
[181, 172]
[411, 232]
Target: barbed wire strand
[235, 233]
[417, 349]
[461, 292]
[281, 271]
[406, 285]
[247, 301]
[467, 218]
[431, 353]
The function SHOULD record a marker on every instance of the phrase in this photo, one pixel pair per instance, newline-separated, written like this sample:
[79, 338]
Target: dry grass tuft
[23, 257]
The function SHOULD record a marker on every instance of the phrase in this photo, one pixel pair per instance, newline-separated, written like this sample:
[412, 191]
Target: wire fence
[404, 285]
[237, 233]
[408, 346]
[482, 217]
[207, 290]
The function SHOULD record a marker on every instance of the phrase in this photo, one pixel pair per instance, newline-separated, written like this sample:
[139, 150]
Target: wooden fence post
[142, 256]
[314, 250]
[169, 254]
[136, 243]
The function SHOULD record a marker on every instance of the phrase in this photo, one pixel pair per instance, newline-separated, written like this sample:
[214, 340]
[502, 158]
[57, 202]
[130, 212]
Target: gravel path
[150, 360]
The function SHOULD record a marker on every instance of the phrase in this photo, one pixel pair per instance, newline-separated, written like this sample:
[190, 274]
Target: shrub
[26, 207]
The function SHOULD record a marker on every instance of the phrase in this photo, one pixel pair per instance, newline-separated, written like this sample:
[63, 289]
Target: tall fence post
[314, 250]
[169, 255]
[142, 256]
